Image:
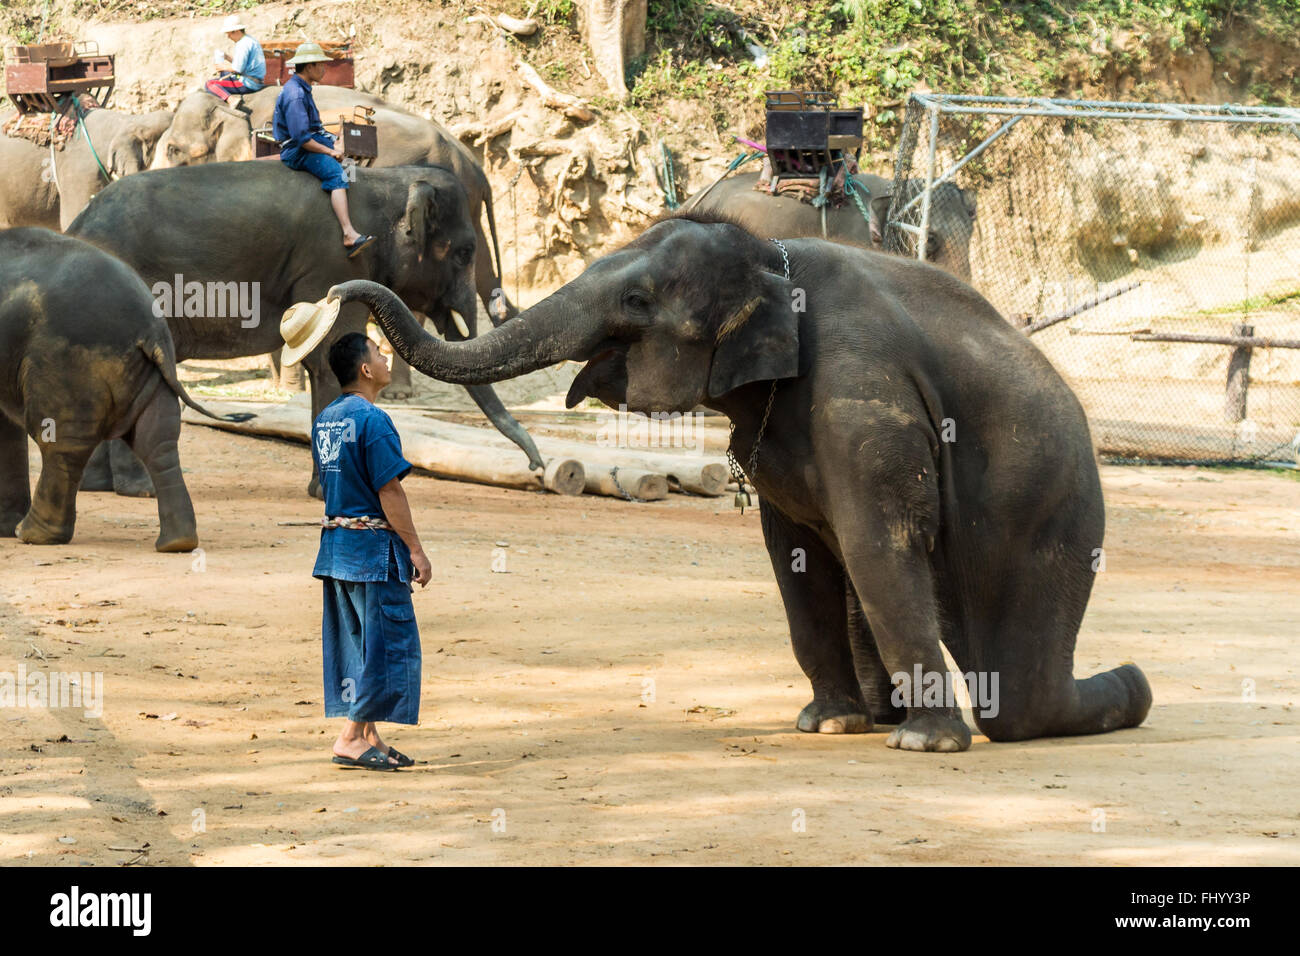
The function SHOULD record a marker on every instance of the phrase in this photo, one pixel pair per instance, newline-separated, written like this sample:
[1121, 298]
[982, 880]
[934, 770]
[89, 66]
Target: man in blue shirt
[246, 71]
[305, 145]
[369, 554]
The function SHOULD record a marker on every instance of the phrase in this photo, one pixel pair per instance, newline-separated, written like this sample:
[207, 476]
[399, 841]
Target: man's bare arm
[397, 511]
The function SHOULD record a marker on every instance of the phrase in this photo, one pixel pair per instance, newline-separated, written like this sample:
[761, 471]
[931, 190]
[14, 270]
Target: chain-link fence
[1152, 251]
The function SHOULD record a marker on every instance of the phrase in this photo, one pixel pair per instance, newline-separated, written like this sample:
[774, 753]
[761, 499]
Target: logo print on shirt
[330, 438]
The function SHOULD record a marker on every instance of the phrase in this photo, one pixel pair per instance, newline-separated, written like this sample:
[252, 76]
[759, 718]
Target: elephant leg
[487, 400]
[154, 438]
[812, 588]
[98, 475]
[400, 387]
[873, 678]
[15, 487]
[1031, 655]
[290, 378]
[130, 476]
[53, 513]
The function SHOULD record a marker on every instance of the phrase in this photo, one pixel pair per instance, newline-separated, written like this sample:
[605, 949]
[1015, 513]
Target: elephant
[267, 233]
[952, 217]
[35, 193]
[206, 130]
[83, 358]
[615, 32]
[926, 477]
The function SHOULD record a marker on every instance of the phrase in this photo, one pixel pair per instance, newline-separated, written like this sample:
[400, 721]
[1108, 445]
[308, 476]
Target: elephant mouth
[604, 377]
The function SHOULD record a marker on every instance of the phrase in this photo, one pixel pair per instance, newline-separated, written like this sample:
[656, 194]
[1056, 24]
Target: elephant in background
[952, 217]
[205, 130]
[83, 358]
[926, 476]
[34, 193]
[195, 222]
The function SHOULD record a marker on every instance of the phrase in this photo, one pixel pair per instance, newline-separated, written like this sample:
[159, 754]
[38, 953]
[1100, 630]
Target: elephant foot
[134, 488]
[171, 544]
[9, 525]
[930, 730]
[833, 717]
[96, 481]
[314, 489]
[34, 531]
[397, 393]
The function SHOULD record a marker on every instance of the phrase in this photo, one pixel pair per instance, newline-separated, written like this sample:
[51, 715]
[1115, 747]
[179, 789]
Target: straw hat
[308, 53]
[303, 327]
[233, 23]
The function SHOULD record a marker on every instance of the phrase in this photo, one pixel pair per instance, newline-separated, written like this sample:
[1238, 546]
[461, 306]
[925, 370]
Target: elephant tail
[161, 355]
[500, 266]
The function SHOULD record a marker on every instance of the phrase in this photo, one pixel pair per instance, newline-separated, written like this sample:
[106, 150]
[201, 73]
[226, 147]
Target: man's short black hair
[347, 355]
[299, 67]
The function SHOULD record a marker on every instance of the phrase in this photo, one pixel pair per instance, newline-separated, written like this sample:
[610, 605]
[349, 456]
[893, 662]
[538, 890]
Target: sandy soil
[624, 694]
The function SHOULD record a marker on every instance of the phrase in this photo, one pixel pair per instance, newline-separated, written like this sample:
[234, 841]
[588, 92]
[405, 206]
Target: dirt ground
[623, 694]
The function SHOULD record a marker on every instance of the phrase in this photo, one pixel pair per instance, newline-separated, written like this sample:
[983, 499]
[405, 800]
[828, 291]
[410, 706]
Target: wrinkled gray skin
[885, 538]
[952, 217]
[31, 194]
[197, 222]
[82, 358]
[204, 130]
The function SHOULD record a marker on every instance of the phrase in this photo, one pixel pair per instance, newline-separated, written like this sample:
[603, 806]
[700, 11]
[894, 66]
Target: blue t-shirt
[249, 62]
[357, 452]
[296, 119]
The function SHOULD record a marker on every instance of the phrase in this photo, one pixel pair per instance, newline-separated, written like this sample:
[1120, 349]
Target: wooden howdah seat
[39, 77]
[357, 133]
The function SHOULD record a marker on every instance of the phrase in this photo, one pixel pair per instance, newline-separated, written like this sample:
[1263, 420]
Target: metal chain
[613, 473]
[732, 463]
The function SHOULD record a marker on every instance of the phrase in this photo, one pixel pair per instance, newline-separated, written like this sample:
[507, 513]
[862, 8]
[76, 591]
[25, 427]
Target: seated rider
[305, 145]
[246, 72]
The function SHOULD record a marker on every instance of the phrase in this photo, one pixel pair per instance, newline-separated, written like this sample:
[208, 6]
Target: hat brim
[309, 58]
[327, 314]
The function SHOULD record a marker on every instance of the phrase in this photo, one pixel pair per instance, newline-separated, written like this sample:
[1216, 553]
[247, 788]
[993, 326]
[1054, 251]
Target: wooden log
[1234, 399]
[619, 482]
[438, 455]
[1032, 327]
[1250, 341]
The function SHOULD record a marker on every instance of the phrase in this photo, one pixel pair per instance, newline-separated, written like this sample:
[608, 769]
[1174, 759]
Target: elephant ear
[421, 218]
[759, 340]
[126, 154]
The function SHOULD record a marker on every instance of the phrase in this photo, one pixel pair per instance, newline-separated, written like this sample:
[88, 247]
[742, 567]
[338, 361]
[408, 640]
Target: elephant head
[952, 224]
[204, 130]
[434, 267]
[684, 314]
[132, 148]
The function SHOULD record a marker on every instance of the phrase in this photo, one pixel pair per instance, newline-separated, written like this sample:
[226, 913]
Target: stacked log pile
[485, 456]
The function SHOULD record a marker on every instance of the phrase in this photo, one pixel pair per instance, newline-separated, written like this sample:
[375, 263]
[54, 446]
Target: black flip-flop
[401, 758]
[356, 247]
[372, 759]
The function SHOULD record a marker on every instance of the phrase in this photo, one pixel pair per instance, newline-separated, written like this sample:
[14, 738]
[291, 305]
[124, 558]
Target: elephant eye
[465, 255]
[635, 300]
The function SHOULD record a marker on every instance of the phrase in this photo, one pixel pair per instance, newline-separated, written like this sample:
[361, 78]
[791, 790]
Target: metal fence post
[929, 183]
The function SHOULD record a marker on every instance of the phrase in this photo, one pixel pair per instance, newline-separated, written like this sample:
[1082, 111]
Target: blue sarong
[371, 648]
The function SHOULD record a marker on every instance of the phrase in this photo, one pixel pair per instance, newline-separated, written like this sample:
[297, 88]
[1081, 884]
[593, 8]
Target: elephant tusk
[460, 323]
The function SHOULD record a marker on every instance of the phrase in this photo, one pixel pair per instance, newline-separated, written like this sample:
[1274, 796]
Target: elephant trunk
[555, 329]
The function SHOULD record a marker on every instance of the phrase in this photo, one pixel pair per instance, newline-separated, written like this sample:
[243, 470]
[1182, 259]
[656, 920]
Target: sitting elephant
[84, 359]
[952, 217]
[925, 475]
[35, 191]
[254, 238]
[205, 130]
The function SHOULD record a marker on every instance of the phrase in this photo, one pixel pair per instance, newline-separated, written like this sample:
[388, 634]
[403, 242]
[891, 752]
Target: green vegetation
[878, 51]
